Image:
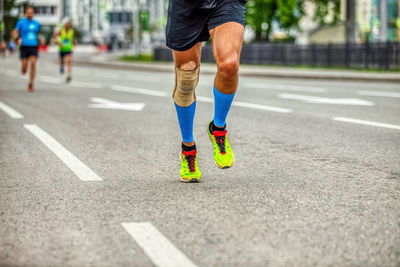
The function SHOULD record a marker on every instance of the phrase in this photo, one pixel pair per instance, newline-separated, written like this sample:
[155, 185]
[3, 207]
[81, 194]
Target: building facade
[376, 21]
[103, 20]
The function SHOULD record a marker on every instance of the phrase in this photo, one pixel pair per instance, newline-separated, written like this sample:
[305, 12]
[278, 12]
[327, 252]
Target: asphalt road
[89, 180]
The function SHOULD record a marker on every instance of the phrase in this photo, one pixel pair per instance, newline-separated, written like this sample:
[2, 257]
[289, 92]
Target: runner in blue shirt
[27, 34]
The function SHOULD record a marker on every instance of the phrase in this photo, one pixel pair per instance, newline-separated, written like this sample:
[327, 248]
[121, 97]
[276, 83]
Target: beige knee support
[185, 85]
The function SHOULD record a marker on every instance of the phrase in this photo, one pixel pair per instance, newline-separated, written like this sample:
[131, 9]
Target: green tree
[324, 8]
[9, 20]
[262, 15]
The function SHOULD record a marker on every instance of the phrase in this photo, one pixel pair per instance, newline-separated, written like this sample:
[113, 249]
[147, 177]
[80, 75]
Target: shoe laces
[220, 137]
[190, 157]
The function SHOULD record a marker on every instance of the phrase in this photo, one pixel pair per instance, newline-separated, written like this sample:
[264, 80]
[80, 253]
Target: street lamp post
[350, 21]
[136, 28]
[1, 19]
[384, 21]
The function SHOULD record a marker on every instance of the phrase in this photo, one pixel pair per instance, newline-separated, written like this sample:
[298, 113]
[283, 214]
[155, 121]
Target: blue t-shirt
[28, 31]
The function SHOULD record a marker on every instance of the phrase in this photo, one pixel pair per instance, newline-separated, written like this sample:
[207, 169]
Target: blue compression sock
[222, 104]
[185, 118]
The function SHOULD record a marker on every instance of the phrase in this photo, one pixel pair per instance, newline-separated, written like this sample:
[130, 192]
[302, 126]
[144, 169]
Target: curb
[251, 71]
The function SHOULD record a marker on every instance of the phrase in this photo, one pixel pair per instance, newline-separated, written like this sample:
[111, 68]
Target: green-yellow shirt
[66, 40]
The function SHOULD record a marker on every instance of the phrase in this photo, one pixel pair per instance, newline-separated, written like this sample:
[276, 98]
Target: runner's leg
[62, 62]
[187, 61]
[227, 42]
[186, 77]
[32, 72]
[24, 65]
[68, 59]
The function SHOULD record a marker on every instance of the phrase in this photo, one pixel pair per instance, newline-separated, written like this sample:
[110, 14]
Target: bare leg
[227, 42]
[69, 65]
[32, 72]
[24, 66]
[188, 60]
[61, 62]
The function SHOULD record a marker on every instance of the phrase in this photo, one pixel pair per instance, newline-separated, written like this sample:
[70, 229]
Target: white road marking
[107, 75]
[156, 246]
[369, 123]
[141, 91]
[10, 111]
[143, 78]
[379, 93]
[108, 104]
[247, 105]
[48, 79]
[86, 85]
[326, 100]
[282, 87]
[77, 166]
[261, 107]
[11, 73]
[198, 98]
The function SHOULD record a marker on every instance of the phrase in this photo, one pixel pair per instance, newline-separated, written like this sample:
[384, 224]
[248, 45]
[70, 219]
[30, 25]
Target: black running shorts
[63, 54]
[27, 51]
[189, 21]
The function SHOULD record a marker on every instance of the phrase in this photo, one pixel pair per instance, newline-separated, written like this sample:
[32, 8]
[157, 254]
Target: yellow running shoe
[189, 172]
[223, 154]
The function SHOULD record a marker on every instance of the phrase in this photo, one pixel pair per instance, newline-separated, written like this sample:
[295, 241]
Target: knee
[187, 77]
[229, 65]
[190, 65]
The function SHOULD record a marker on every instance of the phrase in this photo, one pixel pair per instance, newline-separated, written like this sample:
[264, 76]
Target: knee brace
[185, 85]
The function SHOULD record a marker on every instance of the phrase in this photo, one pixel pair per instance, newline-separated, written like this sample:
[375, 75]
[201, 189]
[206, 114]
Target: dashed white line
[141, 91]
[143, 79]
[261, 107]
[327, 100]
[379, 93]
[199, 98]
[10, 111]
[369, 123]
[282, 87]
[156, 246]
[86, 85]
[106, 75]
[48, 79]
[11, 73]
[77, 166]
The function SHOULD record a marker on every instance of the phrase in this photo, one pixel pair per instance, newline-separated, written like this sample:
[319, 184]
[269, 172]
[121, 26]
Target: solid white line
[198, 98]
[327, 100]
[247, 105]
[379, 93]
[86, 85]
[261, 107]
[156, 246]
[10, 111]
[77, 166]
[141, 91]
[282, 87]
[47, 79]
[369, 123]
[143, 79]
[12, 73]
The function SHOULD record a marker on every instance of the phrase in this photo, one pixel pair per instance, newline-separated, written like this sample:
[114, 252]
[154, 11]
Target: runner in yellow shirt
[65, 38]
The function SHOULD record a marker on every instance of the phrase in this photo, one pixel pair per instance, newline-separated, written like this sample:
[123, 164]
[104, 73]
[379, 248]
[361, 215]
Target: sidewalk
[111, 61]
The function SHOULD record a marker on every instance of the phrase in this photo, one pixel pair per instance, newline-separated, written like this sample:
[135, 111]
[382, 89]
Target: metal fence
[368, 55]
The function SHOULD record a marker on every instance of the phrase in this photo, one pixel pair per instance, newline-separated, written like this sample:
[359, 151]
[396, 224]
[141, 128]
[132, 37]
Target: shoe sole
[193, 180]
[221, 167]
